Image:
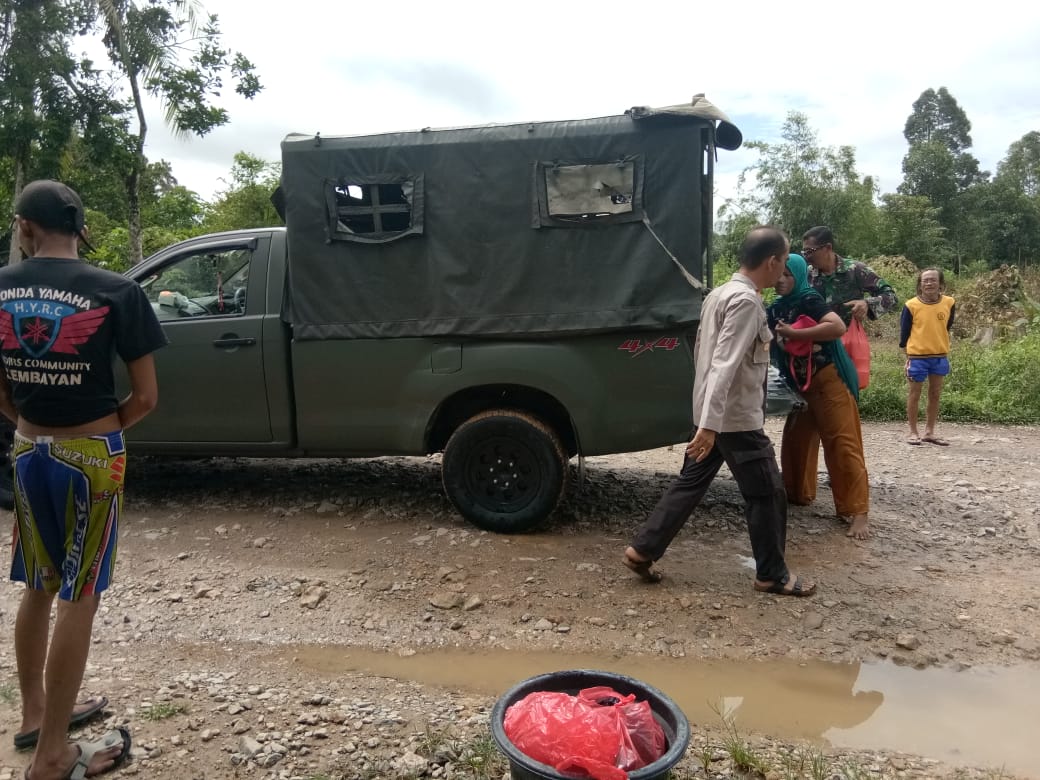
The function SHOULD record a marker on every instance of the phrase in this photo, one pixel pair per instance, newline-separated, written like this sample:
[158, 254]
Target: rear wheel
[504, 470]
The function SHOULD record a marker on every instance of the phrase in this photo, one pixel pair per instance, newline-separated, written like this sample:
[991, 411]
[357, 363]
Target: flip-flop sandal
[644, 569]
[780, 587]
[87, 751]
[95, 707]
[915, 440]
[936, 440]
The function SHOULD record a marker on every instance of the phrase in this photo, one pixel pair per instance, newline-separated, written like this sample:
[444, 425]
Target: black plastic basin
[666, 712]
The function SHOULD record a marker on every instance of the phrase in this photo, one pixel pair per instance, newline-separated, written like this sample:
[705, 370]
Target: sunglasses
[809, 251]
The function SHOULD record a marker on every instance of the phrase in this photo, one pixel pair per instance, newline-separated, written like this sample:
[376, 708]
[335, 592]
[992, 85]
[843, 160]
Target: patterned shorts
[68, 494]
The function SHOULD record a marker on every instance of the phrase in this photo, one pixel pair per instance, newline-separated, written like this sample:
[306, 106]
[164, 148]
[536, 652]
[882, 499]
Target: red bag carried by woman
[856, 344]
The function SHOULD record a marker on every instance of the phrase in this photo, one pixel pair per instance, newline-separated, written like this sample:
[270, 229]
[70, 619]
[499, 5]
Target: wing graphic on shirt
[77, 328]
[8, 339]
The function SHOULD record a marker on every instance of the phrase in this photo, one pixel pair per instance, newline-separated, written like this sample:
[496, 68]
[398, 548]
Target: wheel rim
[503, 475]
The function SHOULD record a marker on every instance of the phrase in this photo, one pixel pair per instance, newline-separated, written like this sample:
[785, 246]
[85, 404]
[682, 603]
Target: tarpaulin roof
[514, 229]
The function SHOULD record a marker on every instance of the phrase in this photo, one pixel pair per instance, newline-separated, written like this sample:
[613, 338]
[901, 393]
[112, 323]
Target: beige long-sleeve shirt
[731, 358]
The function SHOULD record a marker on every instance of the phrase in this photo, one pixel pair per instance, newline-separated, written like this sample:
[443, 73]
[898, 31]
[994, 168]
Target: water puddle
[984, 717]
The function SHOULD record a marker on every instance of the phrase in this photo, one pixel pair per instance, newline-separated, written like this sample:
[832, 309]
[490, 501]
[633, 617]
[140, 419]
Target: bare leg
[30, 648]
[63, 675]
[913, 405]
[935, 386]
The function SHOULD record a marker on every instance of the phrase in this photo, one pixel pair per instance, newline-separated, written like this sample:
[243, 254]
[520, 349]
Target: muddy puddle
[979, 716]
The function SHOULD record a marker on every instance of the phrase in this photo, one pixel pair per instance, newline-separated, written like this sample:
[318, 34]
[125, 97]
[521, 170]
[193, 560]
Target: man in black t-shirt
[62, 322]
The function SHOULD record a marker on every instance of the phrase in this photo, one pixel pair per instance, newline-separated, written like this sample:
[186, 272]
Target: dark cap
[51, 205]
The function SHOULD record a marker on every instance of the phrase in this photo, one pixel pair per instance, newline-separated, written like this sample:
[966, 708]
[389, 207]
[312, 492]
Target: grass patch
[740, 752]
[999, 384]
[481, 758]
[162, 710]
[9, 693]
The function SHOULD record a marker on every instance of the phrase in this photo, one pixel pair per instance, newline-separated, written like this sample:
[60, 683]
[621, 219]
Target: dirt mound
[893, 265]
[994, 306]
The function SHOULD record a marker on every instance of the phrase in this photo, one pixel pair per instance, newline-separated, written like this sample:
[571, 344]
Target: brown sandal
[643, 568]
[785, 587]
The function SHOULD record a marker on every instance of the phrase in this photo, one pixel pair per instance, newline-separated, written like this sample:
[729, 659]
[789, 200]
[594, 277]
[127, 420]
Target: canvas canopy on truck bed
[539, 228]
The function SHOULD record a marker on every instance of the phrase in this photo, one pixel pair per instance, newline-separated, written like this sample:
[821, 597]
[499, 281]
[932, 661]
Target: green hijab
[835, 350]
[802, 289]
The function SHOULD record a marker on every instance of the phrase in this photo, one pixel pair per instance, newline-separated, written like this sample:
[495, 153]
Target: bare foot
[860, 528]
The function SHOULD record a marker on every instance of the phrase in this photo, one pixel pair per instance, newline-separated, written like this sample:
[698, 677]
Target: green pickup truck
[510, 295]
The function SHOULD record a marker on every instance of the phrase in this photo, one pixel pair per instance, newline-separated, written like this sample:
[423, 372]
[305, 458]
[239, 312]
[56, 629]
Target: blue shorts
[919, 369]
[68, 494]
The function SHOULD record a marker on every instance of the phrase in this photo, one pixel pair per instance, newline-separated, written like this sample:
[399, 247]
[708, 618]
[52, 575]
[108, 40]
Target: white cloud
[855, 70]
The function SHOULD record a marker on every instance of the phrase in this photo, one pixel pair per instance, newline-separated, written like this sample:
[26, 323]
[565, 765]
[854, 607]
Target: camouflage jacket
[850, 281]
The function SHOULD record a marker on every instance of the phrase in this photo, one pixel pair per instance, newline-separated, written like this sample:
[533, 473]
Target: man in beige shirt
[731, 358]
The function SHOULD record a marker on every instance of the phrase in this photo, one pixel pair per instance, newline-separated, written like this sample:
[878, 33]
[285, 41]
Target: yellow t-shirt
[929, 334]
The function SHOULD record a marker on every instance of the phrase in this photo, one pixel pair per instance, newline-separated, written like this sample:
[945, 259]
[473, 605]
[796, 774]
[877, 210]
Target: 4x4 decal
[638, 346]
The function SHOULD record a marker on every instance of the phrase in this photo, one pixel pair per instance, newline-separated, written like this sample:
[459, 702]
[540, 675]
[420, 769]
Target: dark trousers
[750, 456]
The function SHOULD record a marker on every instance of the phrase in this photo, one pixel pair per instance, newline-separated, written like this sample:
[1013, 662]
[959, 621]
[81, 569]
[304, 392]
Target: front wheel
[504, 470]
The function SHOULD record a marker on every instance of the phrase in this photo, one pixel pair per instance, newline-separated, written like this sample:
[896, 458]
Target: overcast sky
[347, 68]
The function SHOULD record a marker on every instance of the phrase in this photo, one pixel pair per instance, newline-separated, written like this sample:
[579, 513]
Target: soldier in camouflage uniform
[843, 283]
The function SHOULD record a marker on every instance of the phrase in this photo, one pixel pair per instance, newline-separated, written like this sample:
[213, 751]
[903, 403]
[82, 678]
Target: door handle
[233, 342]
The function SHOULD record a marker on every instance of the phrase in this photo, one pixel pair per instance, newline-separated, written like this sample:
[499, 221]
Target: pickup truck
[398, 314]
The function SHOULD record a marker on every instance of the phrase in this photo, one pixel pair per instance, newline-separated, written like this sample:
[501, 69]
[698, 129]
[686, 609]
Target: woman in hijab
[827, 379]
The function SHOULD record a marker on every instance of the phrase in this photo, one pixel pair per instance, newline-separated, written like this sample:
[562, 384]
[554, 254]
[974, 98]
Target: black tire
[6, 466]
[504, 470]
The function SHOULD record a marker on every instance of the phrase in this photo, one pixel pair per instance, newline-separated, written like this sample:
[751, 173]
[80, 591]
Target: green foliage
[909, 226]
[481, 758]
[162, 711]
[1020, 169]
[996, 384]
[1009, 222]
[937, 116]
[246, 201]
[8, 693]
[797, 184]
[930, 171]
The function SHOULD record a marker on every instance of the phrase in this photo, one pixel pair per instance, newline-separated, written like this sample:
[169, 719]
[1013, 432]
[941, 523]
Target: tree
[939, 134]
[1020, 168]
[930, 171]
[1008, 224]
[939, 167]
[166, 48]
[246, 202]
[41, 86]
[799, 184]
[909, 226]
[936, 116]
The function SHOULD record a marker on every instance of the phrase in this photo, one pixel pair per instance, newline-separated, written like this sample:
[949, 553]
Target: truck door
[210, 300]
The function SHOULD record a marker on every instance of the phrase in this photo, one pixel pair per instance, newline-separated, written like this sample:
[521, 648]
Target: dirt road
[327, 619]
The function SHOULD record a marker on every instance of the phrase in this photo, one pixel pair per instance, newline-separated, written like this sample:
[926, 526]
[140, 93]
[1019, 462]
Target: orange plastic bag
[599, 733]
[856, 344]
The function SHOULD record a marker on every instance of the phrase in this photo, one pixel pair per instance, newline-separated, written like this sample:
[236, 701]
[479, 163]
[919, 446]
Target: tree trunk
[133, 204]
[133, 178]
[15, 255]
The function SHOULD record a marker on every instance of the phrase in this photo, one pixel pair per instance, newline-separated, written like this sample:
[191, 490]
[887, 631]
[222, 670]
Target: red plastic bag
[598, 733]
[800, 349]
[856, 344]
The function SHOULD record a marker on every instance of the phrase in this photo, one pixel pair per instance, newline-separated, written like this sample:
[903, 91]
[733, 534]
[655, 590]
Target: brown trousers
[832, 418]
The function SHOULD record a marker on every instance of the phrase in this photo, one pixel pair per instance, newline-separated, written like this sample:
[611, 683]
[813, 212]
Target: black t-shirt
[62, 322]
